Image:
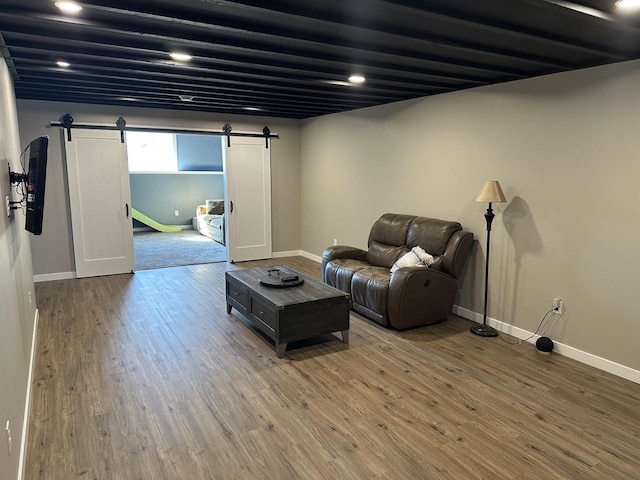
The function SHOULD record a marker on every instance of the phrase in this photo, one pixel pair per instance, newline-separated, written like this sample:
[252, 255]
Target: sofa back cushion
[215, 207]
[388, 238]
[431, 234]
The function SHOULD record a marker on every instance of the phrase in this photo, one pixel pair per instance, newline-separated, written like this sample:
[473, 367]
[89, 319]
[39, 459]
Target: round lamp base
[484, 330]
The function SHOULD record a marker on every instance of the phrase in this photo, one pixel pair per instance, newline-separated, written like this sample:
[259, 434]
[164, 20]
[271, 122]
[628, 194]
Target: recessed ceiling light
[356, 79]
[180, 56]
[69, 7]
[63, 64]
[628, 3]
[186, 98]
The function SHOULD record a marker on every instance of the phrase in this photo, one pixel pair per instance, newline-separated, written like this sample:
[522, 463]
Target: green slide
[141, 217]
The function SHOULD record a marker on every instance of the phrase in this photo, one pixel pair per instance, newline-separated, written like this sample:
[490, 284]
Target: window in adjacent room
[152, 152]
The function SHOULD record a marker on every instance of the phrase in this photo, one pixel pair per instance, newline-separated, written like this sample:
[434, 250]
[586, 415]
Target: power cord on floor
[521, 341]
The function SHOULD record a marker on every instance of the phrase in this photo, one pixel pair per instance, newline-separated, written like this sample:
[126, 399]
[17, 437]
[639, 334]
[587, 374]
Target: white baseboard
[566, 350]
[22, 462]
[297, 253]
[288, 253]
[310, 256]
[45, 277]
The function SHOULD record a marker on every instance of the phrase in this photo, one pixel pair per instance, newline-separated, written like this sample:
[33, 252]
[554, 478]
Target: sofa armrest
[419, 296]
[457, 252]
[341, 251]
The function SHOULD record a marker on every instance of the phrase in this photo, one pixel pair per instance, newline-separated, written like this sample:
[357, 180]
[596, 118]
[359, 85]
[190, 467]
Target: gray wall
[53, 251]
[17, 308]
[159, 195]
[565, 149]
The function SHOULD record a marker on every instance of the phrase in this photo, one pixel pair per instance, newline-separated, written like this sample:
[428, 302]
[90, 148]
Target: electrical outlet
[177, 213]
[335, 241]
[557, 306]
[9, 441]
[8, 206]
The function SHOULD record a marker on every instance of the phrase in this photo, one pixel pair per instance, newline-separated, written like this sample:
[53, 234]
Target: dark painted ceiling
[282, 56]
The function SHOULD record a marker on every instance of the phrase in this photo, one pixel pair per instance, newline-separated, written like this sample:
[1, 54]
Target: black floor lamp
[491, 192]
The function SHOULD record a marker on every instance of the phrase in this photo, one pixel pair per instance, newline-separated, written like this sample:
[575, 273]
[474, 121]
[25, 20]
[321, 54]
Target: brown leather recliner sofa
[411, 296]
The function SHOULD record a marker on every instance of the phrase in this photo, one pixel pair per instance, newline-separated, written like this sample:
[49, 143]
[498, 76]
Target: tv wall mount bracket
[14, 180]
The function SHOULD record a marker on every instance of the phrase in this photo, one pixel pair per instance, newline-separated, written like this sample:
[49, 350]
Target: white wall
[53, 251]
[17, 308]
[564, 147]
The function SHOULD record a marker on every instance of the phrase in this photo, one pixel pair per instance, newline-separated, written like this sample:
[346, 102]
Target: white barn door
[247, 166]
[100, 200]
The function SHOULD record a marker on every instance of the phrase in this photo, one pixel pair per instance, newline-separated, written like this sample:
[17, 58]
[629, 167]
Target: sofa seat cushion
[339, 272]
[381, 255]
[370, 288]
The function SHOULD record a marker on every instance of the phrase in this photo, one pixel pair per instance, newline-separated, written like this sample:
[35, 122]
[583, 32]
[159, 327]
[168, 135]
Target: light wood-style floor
[146, 376]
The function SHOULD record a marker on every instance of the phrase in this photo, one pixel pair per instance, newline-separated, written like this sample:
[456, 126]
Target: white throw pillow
[416, 257]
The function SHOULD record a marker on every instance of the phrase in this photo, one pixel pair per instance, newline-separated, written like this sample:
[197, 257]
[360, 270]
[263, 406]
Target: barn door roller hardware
[66, 122]
[121, 123]
[227, 131]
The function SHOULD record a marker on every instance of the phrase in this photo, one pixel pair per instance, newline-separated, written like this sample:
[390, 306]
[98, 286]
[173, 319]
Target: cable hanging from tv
[66, 122]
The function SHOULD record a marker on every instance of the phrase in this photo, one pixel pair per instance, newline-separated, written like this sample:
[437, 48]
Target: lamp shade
[491, 192]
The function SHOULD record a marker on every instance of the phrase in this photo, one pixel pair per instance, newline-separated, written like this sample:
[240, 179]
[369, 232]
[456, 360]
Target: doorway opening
[175, 181]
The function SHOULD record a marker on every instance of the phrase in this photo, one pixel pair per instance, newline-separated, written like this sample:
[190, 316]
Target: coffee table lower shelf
[285, 315]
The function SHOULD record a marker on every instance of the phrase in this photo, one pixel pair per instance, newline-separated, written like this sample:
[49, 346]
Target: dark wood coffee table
[288, 314]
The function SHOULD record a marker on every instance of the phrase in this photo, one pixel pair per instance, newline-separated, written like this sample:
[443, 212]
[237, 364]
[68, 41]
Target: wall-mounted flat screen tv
[36, 174]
